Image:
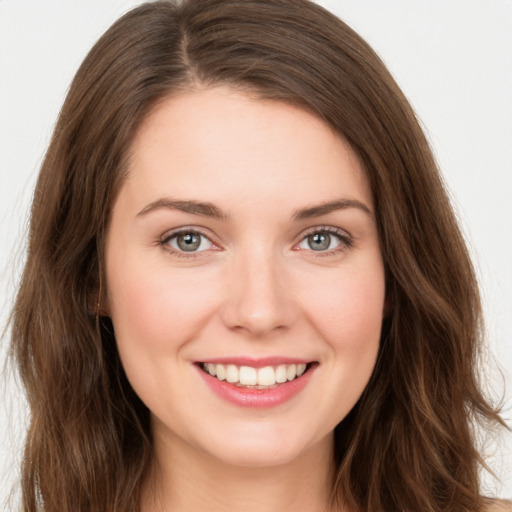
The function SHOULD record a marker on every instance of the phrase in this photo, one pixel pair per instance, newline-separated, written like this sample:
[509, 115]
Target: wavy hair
[409, 442]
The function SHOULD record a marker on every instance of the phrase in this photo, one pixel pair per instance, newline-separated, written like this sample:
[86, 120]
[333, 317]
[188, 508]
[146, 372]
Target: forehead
[221, 145]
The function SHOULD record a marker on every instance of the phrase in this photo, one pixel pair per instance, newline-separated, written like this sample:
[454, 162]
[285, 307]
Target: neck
[187, 479]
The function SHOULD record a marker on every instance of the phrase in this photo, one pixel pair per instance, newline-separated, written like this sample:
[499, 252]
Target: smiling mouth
[267, 377]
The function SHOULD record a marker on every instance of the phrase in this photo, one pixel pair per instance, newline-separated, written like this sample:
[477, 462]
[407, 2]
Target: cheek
[349, 308]
[156, 313]
[347, 312]
[156, 298]
[152, 307]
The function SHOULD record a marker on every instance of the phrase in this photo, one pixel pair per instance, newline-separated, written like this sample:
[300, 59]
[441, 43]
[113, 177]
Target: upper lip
[256, 362]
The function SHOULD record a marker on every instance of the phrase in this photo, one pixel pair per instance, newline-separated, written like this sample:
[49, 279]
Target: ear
[102, 310]
[98, 306]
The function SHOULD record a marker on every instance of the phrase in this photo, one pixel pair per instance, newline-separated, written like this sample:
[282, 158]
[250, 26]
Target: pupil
[189, 242]
[319, 241]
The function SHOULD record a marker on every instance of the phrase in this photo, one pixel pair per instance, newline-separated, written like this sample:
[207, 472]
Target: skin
[254, 288]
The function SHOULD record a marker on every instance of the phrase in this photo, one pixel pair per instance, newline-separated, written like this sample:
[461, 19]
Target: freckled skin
[256, 288]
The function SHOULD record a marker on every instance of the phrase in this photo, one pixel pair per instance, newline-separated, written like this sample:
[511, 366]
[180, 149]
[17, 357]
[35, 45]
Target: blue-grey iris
[319, 241]
[188, 241]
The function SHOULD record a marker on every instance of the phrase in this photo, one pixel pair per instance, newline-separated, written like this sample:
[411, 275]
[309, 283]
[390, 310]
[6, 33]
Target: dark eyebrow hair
[190, 206]
[325, 208]
[210, 210]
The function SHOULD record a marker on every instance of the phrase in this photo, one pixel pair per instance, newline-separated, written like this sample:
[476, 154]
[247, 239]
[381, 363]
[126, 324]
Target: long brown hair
[409, 442]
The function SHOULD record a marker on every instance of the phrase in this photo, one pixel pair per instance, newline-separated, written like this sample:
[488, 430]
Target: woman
[239, 291]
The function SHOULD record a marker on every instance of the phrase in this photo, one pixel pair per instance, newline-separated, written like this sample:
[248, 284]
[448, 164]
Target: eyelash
[346, 241]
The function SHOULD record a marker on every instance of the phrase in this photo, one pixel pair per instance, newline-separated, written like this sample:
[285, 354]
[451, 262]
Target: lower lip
[257, 398]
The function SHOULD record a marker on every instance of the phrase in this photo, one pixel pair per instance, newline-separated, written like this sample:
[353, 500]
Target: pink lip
[256, 398]
[256, 362]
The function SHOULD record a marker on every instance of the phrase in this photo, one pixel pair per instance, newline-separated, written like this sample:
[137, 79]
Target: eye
[188, 241]
[322, 240]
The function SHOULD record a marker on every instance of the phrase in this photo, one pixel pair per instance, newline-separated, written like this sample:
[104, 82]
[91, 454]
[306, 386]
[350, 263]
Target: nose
[258, 298]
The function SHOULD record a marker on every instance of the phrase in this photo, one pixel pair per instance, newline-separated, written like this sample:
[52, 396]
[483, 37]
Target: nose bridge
[258, 298]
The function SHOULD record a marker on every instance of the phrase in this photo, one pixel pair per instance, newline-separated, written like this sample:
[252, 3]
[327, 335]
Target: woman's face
[243, 243]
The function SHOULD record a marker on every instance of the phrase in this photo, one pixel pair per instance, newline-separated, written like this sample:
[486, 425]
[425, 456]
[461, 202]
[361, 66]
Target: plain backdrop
[452, 58]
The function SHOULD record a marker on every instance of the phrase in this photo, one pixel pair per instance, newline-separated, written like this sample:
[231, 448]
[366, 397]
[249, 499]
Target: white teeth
[248, 376]
[281, 374]
[291, 372]
[220, 370]
[232, 373]
[267, 376]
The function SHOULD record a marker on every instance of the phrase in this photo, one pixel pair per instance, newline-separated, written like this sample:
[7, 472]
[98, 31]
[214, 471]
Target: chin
[263, 450]
[255, 457]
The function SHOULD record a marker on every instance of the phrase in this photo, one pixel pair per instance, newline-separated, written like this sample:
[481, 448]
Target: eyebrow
[210, 210]
[193, 207]
[331, 206]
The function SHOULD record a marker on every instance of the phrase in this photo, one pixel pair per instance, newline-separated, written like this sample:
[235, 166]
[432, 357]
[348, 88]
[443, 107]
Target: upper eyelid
[185, 229]
[325, 229]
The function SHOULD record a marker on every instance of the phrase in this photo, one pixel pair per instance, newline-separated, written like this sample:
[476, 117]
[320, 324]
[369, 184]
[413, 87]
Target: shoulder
[499, 506]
